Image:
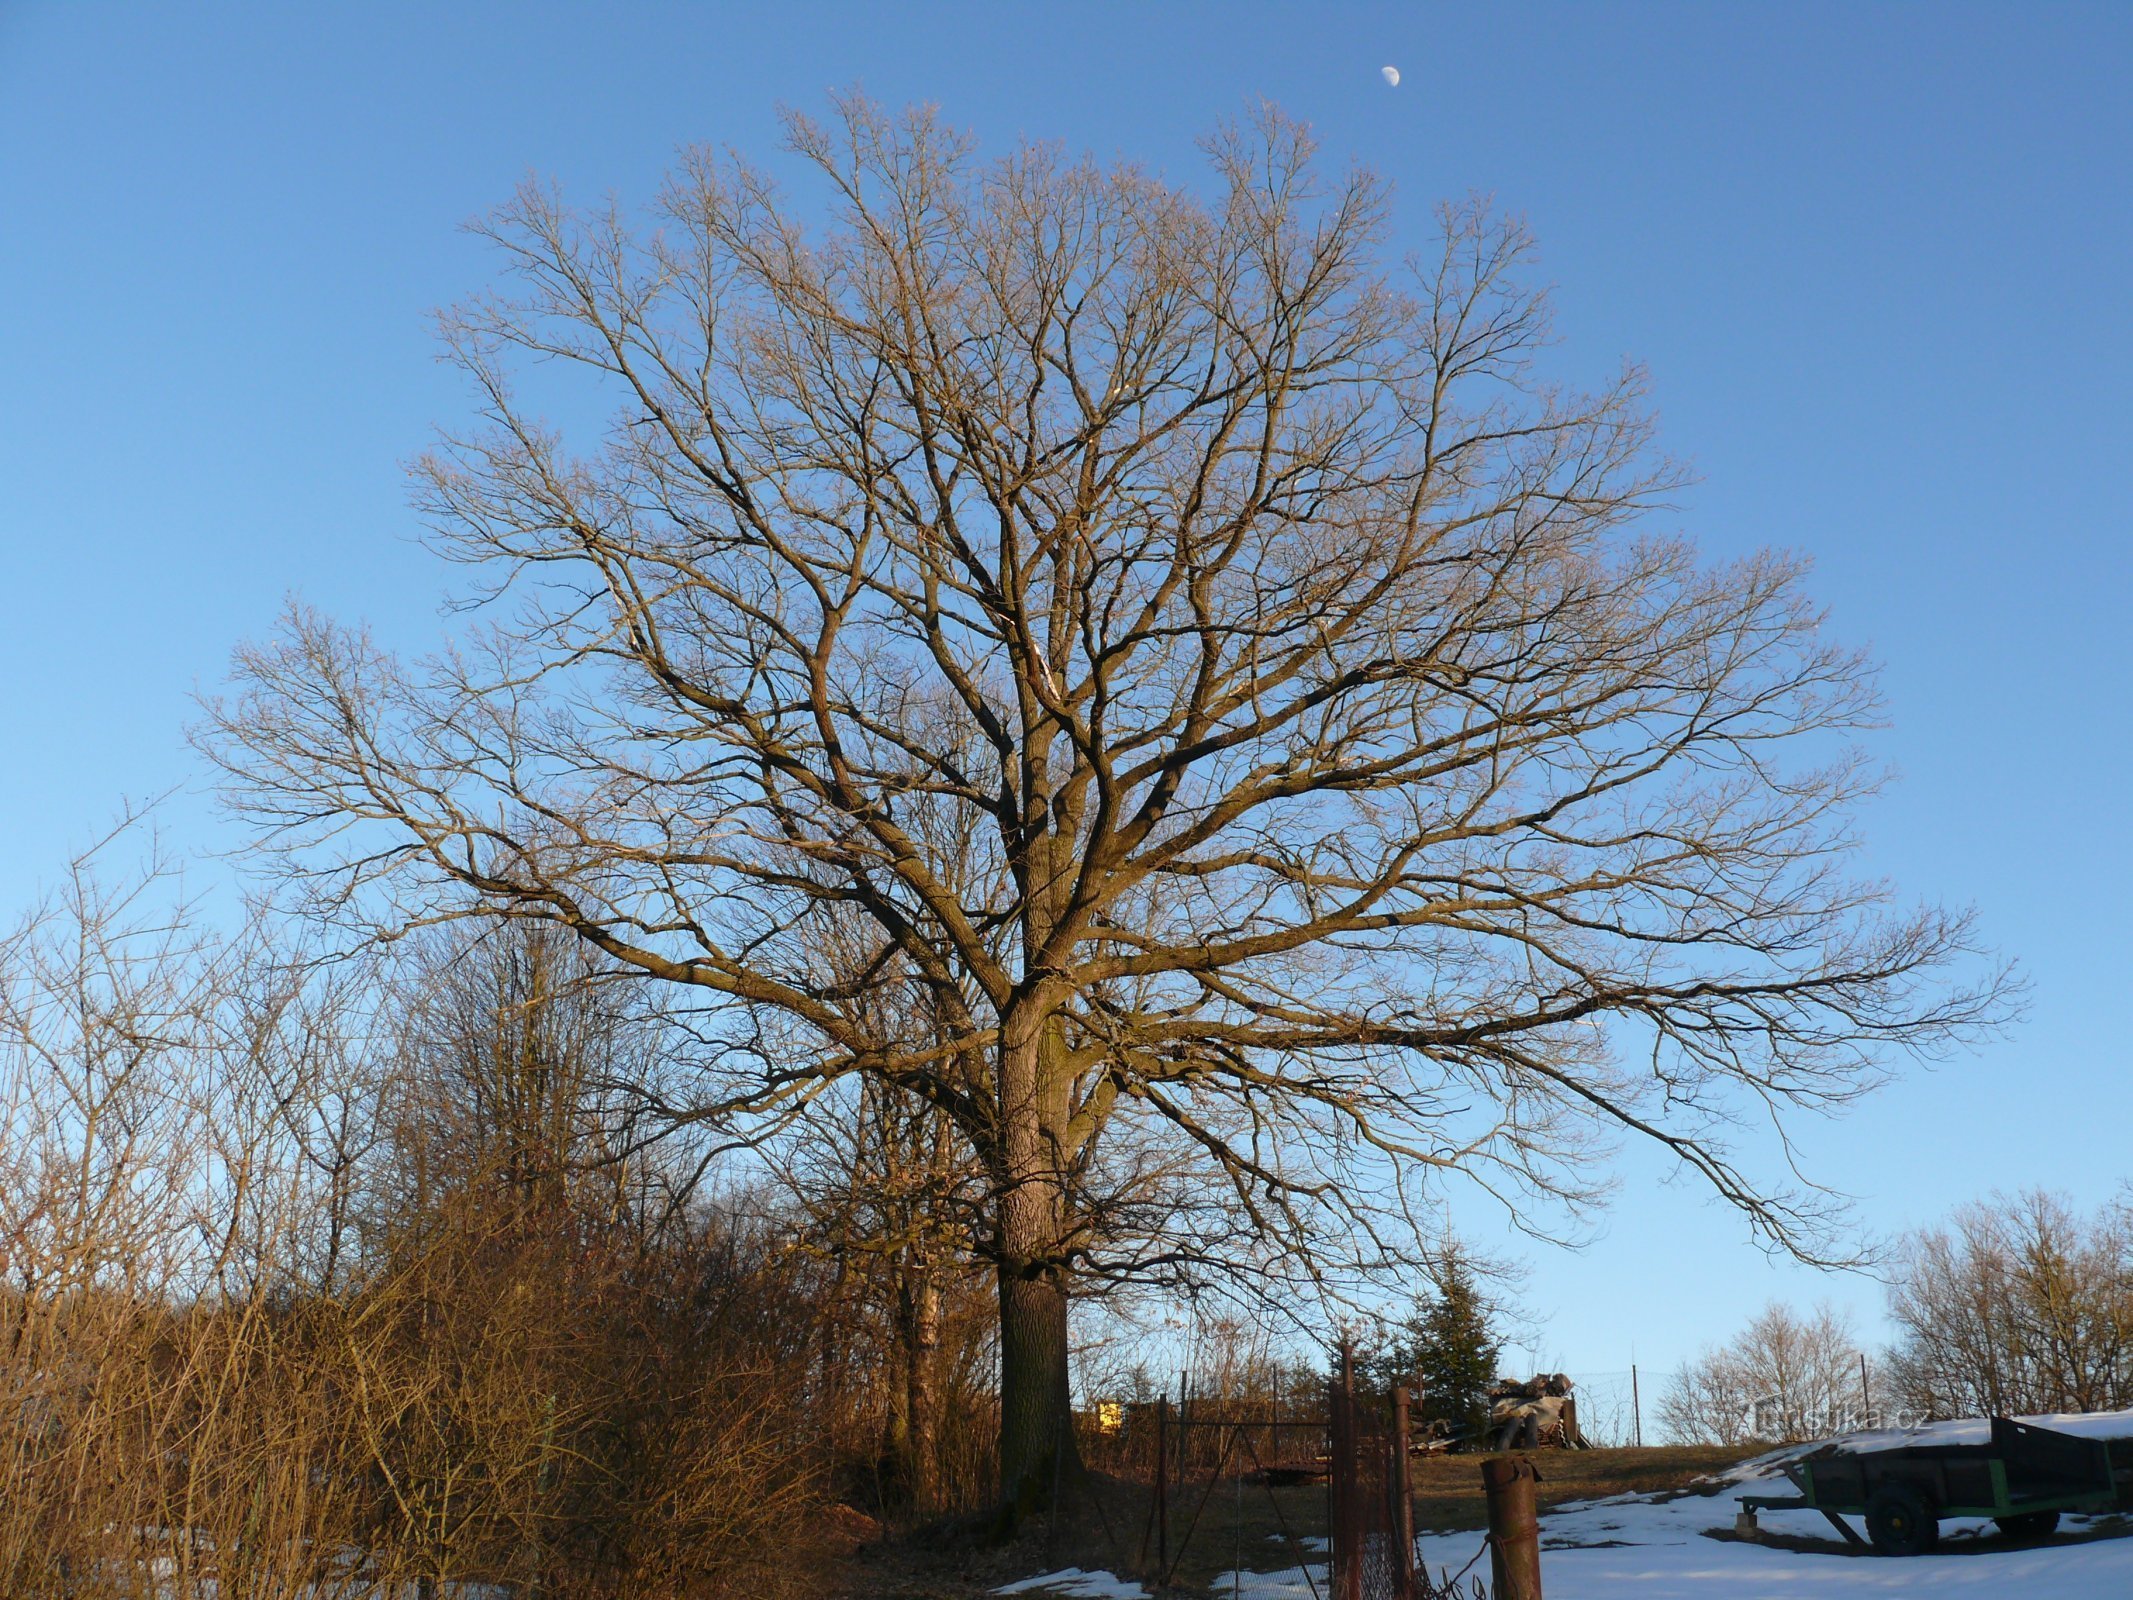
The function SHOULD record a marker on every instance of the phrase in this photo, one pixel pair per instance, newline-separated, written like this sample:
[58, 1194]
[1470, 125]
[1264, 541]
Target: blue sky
[1877, 259]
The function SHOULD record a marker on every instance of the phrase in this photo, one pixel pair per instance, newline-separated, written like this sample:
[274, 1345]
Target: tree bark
[911, 1426]
[1037, 1447]
[921, 1403]
[1036, 1410]
[895, 1469]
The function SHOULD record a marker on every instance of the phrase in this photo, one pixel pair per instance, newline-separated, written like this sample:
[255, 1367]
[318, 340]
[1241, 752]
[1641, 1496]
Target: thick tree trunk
[1036, 1412]
[893, 1468]
[1037, 1449]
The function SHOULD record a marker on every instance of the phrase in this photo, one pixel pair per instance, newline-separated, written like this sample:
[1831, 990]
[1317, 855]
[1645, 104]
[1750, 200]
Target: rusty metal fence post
[1162, 1483]
[1400, 1479]
[1343, 1489]
[1514, 1528]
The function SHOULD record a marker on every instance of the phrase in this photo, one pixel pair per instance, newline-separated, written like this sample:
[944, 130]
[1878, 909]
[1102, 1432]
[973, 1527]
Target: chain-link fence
[1211, 1481]
[1314, 1477]
[1372, 1447]
[1372, 1513]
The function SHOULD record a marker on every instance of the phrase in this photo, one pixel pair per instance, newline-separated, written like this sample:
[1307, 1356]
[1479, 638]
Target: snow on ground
[1082, 1585]
[1660, 1553]
[1656, 1547]
[1639, 1547]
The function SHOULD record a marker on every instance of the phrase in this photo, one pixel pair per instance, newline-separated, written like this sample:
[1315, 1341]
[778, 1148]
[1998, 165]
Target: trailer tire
[1900, 1521]
[2028, 1524]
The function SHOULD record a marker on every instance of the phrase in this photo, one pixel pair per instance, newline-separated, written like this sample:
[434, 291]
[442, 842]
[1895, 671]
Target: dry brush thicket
[328, 1278]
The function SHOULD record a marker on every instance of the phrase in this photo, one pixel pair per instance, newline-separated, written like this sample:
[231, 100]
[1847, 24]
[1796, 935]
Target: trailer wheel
[2028, 1524]
[1900, 1522]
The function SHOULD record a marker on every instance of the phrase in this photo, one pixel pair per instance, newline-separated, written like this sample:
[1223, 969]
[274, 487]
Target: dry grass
[1448, 1488]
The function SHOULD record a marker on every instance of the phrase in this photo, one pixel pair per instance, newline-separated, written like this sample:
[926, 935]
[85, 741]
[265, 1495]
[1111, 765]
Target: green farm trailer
[2023, 1478]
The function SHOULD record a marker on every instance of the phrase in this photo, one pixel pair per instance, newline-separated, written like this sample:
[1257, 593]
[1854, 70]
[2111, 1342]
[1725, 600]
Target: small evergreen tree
[1456, 1350]
[1446, 1349]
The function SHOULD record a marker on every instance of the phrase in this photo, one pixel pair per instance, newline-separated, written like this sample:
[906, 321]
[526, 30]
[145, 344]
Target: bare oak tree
[1203, 655]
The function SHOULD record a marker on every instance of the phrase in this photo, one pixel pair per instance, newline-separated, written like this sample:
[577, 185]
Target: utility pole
[1636, 1405]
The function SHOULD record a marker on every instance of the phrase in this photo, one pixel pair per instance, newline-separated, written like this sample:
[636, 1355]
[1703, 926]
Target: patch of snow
[1082, 1585]
[1657, 1547]
[1316, 1544]
[1294, 1584]
[1711, 1570]
[1638, 1547]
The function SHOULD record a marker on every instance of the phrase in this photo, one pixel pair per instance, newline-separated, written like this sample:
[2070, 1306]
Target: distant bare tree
[1784, 1377]
[2019, 1305]
[1208, 659]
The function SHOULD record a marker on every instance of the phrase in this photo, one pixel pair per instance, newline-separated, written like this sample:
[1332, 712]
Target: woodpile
[1537, 1413]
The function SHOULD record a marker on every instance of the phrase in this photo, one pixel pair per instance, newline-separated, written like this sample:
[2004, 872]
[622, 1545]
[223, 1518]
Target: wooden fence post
[1514, 1528]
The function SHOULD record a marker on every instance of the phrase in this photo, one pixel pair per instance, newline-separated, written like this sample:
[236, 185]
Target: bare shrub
[153, 1411]
[534, 1410]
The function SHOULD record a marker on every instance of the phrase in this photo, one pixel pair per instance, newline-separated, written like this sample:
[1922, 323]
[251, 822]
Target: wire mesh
[1372, 1543]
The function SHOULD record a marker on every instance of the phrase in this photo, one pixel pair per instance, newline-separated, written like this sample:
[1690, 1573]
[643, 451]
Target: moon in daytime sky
[1391, 75]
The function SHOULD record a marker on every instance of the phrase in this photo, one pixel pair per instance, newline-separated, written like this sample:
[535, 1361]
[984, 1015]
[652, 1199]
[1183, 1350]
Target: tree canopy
[1190, 651]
